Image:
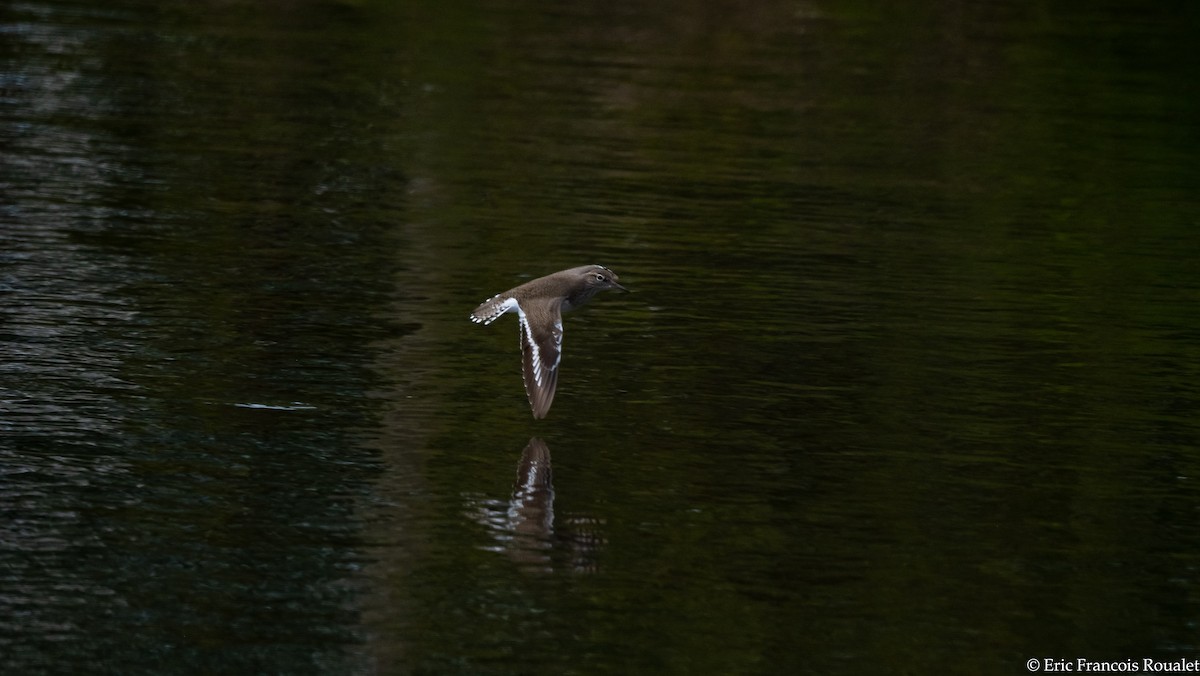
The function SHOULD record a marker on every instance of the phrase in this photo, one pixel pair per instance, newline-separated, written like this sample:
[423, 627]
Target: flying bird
[539, 305]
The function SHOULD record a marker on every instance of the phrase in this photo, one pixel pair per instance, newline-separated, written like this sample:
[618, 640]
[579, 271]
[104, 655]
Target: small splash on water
[294, 406]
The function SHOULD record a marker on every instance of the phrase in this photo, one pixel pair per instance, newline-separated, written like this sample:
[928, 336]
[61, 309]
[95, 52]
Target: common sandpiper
[539, 305]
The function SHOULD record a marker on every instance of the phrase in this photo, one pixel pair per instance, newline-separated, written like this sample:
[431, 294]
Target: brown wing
[541, 350]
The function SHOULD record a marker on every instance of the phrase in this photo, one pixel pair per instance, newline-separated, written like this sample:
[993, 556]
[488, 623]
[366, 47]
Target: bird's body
[539, 305]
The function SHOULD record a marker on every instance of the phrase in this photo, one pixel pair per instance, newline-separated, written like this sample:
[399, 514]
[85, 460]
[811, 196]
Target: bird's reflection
[525, 528]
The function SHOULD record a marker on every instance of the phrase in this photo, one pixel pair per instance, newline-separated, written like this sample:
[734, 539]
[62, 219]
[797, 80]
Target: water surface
[907, 377]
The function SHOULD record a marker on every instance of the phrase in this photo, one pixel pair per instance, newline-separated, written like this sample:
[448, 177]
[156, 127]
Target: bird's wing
[541, 350]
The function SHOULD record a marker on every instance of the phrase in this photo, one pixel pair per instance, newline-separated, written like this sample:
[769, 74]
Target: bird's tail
[490, 309]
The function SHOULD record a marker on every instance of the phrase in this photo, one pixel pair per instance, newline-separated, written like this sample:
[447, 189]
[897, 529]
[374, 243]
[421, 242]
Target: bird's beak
[618, 286]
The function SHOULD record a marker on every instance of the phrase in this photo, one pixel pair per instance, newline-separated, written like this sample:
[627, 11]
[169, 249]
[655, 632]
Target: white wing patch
[558, 334]
[527, 337]
[540, 353]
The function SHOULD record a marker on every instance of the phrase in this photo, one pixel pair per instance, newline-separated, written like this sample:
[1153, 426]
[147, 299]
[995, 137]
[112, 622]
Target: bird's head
[589, 281]
[600, 278]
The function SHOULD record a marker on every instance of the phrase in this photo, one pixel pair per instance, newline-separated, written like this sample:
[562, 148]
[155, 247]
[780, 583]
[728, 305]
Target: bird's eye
[599, 278]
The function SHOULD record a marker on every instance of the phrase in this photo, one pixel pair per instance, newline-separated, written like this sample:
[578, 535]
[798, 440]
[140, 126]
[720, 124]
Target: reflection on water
[524, 526]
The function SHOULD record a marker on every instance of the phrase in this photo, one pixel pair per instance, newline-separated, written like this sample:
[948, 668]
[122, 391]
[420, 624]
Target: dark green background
[907, 382]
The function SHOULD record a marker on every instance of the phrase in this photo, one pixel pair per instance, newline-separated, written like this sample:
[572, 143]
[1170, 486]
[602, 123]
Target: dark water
[907, 382]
